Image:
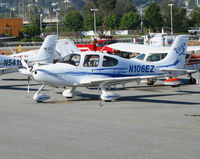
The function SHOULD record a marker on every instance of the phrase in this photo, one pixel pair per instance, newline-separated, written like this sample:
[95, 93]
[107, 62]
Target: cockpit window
[140, 57]
[91, 61]
[109, 61]
[156, 57]
[72, 59]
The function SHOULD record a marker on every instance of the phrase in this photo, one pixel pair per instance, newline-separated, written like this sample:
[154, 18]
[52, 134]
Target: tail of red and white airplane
[46, 53]
[175, 58]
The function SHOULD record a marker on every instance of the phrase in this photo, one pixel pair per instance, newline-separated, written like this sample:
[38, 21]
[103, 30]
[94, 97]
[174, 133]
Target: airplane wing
[120, 79]
[193, 48]
[168, 73]
[139, 48]
[173, 72]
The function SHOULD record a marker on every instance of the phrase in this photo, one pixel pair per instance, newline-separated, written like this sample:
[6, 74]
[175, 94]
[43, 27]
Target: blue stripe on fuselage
[173, 64]
[94, 74]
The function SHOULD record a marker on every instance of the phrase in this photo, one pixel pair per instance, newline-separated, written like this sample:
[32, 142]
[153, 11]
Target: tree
[106, 7]
[123, 6]
[33, 16]
[130, 20]
[153, 18]
[180, 23]
[78, 4]
[88, 22]
[31, 31]
[180, 20]
[73, 20]
[195, 17]
[110, 21]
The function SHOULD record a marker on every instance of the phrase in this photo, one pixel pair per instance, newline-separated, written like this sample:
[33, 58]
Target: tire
[150, 82]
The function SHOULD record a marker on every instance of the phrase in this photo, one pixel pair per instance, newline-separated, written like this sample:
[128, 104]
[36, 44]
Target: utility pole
[41, 25]
[57, 21]
[94, 10]
[170, 5]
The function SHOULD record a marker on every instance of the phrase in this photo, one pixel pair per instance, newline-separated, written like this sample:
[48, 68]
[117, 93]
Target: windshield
[140, 57]
[72, 59]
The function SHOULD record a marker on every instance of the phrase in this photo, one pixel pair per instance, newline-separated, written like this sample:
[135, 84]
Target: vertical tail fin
[65, 47]
[46, 52]
[176, 56]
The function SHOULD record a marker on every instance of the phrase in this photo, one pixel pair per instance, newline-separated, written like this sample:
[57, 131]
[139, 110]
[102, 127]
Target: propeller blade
[24, 64]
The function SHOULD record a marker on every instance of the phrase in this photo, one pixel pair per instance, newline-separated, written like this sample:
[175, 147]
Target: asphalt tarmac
[147, 122]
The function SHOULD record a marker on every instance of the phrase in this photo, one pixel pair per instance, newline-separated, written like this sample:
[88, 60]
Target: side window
[154, 57]
[109, 61]
[140, 57]
[163, 55]
[91, 61]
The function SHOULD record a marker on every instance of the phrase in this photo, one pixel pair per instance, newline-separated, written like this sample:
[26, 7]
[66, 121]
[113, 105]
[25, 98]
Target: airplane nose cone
[38, 75]
[43, 75]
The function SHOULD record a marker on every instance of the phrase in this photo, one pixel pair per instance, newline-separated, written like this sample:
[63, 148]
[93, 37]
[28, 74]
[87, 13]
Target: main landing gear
[106, 95]
[70, 93]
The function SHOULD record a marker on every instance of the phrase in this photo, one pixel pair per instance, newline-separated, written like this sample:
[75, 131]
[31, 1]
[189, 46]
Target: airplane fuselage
[66, 74]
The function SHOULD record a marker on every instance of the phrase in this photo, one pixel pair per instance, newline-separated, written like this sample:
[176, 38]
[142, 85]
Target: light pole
[94, 10]
[170, 5]
[141, 16]
[41, 24]
[57, 21]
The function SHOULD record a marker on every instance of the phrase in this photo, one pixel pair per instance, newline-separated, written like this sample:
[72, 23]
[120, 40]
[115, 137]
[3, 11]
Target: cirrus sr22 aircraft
[97, 69]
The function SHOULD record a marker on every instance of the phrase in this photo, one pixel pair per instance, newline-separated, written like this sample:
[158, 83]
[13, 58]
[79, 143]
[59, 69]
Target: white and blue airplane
[44, 55]
[97, 69]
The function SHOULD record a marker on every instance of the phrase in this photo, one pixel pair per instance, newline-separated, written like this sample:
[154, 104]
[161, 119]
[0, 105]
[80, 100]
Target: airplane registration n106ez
[97, 69]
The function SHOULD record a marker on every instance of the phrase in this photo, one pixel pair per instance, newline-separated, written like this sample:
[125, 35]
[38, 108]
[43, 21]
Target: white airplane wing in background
[139, 48]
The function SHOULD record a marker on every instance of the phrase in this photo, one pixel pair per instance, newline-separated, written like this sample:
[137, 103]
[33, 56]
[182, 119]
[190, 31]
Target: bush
[25, 40]
[36, 39]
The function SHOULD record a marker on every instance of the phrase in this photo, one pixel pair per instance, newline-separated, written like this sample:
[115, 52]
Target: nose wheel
[40, 97]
